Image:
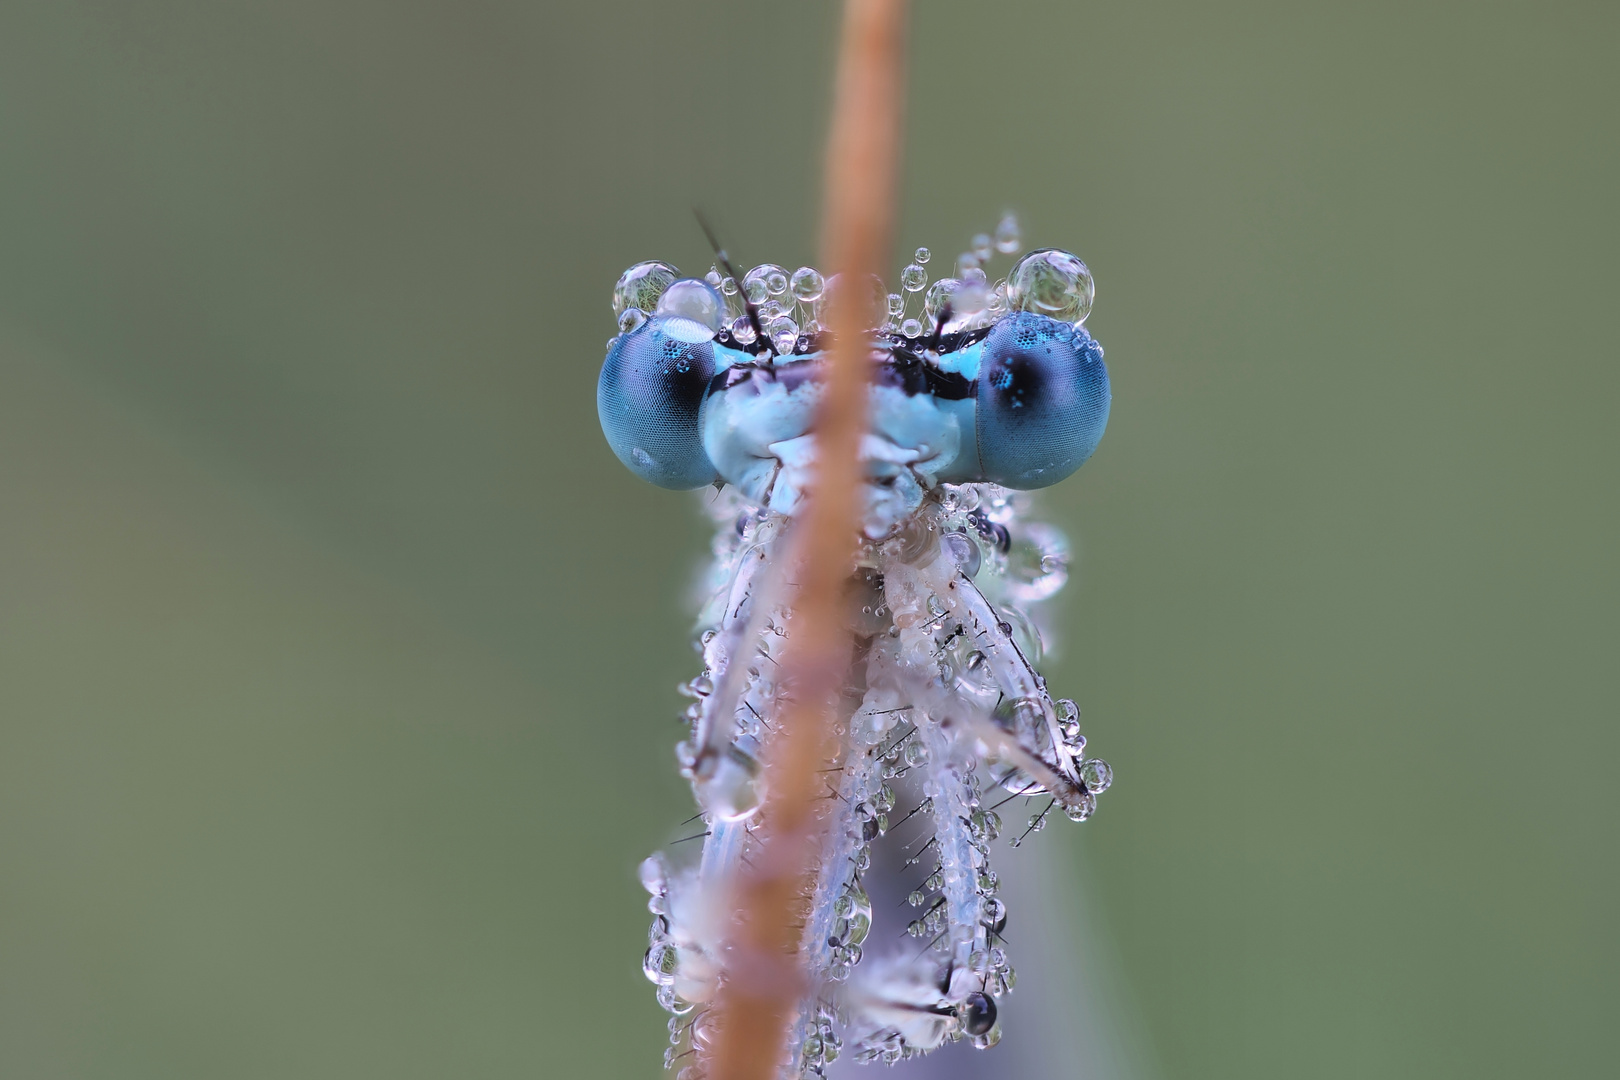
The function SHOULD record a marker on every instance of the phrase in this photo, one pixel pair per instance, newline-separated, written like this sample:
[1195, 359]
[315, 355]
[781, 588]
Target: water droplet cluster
[790, 306]
[948, 737]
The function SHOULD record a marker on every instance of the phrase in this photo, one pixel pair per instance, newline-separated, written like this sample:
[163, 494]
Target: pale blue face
[1021, 403]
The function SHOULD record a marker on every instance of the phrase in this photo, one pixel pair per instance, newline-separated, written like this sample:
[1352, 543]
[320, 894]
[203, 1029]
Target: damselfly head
[718, 381]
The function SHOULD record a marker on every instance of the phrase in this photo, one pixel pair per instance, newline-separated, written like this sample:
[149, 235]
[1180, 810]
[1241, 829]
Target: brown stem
[763, 981]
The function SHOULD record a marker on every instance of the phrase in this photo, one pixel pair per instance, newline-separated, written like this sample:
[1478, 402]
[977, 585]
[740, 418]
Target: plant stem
[763, 981]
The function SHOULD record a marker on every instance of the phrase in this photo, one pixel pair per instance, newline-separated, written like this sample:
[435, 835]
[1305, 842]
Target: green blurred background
[337, 653]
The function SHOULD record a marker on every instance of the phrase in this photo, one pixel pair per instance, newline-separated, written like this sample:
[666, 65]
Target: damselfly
[978, 392]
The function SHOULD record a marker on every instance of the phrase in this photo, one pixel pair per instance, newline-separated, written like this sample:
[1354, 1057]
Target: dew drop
[913, 277]
[1008, 238]
[981, 247]
[692, 299]
[1083, 810]
[742, 330]
[1097, 775]
[922, 255]
[783, 333]
[659, 964]
[807, 284]
[1037, 563]
[630, 319]
[654, 874]
[642, 285]
[763, 281]
[1052, 283]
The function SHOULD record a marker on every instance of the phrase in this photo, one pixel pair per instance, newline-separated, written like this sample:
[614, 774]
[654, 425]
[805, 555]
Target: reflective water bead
[630, 319]
[980, 246]
[1083, 810]
[1052, 283]
[758, 284]
[1008, 238]
[728, 286]
[938, 293]
[965, 262]
[692, 299]
[807, 284]
[916, 898]
[963, 552]
[1097, 775]
[1037, 563]
[913, 277]
[784, 333]
[911, 328]
[742, 330]
[860, 915]
[922, 255]
[897, 304]
[642, 285]
[659, 964]
[654, 874]
[916, 753]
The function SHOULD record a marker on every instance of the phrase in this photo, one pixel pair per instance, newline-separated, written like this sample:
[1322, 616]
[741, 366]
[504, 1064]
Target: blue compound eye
[649, 395]
[1043, 400]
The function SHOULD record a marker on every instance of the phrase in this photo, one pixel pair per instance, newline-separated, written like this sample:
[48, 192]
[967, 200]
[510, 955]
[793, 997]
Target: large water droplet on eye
[1097, 775]
[1008, 238]
[1037, 563]
[806, 284]
[642, 285]
[1052, 283]
[692, 299]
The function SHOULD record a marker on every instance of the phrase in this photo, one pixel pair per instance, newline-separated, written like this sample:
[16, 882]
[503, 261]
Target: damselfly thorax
[987, 391]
